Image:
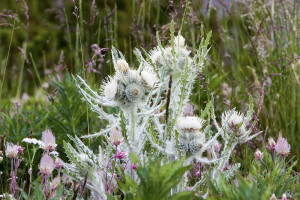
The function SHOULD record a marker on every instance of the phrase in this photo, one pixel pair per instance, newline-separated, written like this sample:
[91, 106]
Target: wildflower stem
[274, 159]
[110, 183]
[283, 157]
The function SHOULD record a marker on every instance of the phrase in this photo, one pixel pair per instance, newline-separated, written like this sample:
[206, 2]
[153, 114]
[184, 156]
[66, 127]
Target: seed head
[282, 147]
[12, 150]
[49, 140]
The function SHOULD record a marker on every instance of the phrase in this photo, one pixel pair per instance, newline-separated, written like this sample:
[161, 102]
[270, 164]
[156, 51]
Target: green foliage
[246, 190]
[157, 180]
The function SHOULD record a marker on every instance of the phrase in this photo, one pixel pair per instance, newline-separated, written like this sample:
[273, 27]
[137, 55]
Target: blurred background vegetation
[255, 50]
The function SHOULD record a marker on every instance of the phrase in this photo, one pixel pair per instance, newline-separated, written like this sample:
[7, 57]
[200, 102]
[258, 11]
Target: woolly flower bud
[149, 78]
[282, 147]
[273, 197]
[258, 155]
[11, 150]
[217, 146]
[189, 123]
[121, 155]
[115, 137]
[110, 89]
[235, 124]
[271, 144]
[47, 165]
[123, 66]
[49, 140]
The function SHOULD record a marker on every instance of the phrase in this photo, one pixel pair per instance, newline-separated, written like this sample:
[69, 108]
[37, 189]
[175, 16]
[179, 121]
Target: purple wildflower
[121, 155]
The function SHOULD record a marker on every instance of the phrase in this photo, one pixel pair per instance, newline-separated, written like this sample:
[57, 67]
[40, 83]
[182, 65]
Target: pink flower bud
[120, 155]
[58, 164]
[47, 165]
[217, 146]
[198, 174]
[134, 167]
[273, 197]
[271, 144]
[284, 197]
[258, 155]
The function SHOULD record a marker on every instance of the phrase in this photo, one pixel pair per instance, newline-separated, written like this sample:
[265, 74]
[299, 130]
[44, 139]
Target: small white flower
[149, 78]
[11, 150]
[110, 88]
[189, 123]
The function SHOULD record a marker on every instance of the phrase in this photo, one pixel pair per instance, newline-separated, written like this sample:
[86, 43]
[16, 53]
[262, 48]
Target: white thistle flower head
[282, 146]
[235, 124]
[131, 90]
[123, 65]
[110, 88]
[189, 123]
[11, 150]
[156, 57]
[116, 137]
[49, 140]
[258, 155]
[179, 41]
[149, 78]
[47, 165]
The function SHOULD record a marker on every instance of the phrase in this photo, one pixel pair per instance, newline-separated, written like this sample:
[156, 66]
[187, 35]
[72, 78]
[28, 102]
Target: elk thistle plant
[160, 87]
